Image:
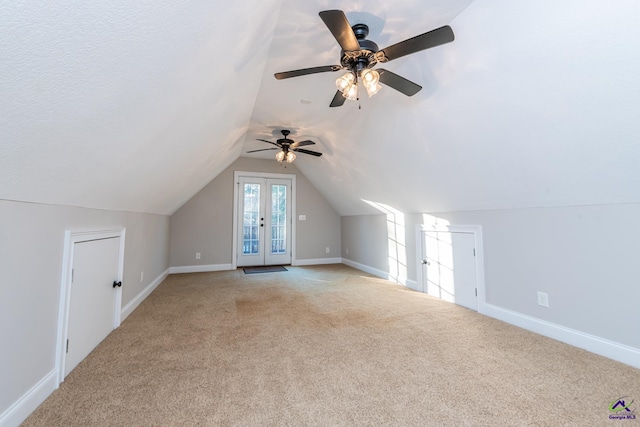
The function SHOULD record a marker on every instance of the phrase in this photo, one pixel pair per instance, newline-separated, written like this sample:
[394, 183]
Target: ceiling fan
[359, 56]
[287, 147]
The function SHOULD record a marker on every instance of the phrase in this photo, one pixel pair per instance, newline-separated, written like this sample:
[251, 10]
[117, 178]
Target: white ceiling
[137, 105]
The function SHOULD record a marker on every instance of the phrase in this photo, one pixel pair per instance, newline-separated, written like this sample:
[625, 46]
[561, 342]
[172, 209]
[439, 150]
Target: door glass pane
[278, 215]
[251, 217]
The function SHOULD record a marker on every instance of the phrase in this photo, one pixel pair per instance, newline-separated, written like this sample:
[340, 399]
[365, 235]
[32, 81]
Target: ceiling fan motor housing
[356, 61]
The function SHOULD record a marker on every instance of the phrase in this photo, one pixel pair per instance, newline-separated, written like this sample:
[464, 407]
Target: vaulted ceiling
[138, 105]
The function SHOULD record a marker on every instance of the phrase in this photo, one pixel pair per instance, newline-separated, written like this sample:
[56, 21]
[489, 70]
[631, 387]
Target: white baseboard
[382, 274]
[603, 347]
[365, 268]
[29, 402]
[201, 268]
[135, 302]
[317, 261]
[412, 284]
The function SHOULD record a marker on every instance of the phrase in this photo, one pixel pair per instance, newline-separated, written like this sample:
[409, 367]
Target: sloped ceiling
[126, 105]
[137, 105]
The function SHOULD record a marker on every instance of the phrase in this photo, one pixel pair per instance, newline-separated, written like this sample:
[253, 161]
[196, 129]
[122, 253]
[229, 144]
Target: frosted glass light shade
[370, 77]
[351, 92]
[343, 83]
[372, 89]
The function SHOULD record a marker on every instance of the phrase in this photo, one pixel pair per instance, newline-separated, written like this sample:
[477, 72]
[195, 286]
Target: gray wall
[205, 223]
[365, 240]
[585, 258]
[31, 250]
[380, 241]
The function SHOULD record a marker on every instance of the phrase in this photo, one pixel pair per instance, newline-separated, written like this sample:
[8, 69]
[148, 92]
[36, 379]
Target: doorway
[449, 265]
[90, 294]
[263, 231]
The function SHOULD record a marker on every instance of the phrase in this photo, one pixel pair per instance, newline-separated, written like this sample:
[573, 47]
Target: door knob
[118, 284]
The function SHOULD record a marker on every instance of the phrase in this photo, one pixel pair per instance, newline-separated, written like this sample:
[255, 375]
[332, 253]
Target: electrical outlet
[197, 255]
[327, 249]
[347, 251]
[302, 217]
[141, 276]
[543, 299]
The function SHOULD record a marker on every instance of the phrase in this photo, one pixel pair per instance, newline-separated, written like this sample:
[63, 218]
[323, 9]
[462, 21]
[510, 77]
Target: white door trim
[477, 234]
[70, 239]
[236, 201]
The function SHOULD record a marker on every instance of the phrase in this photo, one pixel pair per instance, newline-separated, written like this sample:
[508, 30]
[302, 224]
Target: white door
[93, 297]
[264, 221]
[449, 267]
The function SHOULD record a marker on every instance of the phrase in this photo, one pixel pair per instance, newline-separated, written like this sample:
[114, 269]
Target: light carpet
[328, 346]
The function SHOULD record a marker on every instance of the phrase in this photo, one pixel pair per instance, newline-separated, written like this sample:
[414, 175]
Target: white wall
[365, 241]
[31, 251]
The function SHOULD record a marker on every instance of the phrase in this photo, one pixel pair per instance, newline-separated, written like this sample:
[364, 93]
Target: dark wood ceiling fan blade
[313, 153]
[424, 41]
[398, 83]
[305, 71]
[339, 26]
[338, 100]
[268, 142]
[302, 144]
[263, 149]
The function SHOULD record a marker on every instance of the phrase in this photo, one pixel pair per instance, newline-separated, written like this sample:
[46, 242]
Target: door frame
[236, 206]
[70, 239]
[476, 230]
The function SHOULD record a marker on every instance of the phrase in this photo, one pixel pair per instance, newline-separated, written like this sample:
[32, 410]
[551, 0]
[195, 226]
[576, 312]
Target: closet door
[93, 298]
[449, 267]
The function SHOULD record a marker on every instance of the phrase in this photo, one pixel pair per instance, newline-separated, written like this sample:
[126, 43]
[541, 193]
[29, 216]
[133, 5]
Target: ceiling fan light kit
[348, 84]
[358, 57]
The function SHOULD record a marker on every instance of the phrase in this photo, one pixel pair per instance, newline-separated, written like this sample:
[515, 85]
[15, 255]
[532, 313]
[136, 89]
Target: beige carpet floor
[328, 346]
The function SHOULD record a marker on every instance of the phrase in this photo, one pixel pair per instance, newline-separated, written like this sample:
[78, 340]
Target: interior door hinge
[72, 274]
[476, 291]
[67, 346]
[474, 251]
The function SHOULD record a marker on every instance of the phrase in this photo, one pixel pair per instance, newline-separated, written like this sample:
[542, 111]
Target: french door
[264, 221]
